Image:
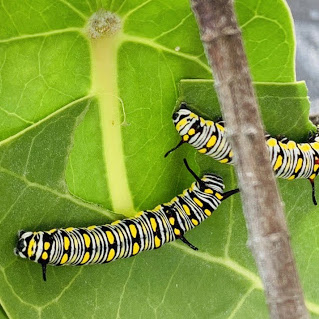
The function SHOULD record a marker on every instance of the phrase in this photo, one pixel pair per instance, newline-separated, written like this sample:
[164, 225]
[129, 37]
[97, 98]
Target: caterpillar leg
[185, 241]
[174, 148]
[44, 272]
[312, 182]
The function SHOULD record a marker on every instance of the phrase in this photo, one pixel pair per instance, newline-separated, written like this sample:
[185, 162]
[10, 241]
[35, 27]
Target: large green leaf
[75, 147]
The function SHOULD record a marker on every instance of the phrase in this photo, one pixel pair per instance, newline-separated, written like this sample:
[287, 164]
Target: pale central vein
[105, 87]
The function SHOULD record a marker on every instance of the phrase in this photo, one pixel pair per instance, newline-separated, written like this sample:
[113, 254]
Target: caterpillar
[289, 160]
[149, 229]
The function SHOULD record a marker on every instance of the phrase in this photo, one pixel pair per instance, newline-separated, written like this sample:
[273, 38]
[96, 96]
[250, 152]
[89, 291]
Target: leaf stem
[263, 209]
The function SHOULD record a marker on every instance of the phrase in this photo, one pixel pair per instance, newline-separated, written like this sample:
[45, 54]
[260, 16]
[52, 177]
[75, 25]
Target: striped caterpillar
[149, 229]
[290, 160]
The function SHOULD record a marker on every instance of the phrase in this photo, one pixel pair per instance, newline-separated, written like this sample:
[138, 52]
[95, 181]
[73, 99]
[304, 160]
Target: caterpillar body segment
[290, 160]
[148, 230]
[206, 136]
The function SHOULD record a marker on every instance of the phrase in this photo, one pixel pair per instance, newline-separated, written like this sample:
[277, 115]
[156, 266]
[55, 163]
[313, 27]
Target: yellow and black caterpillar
[290, 160]
[148, 230]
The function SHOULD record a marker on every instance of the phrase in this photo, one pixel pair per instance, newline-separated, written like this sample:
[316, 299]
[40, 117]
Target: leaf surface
[3, 314]
[74, 148]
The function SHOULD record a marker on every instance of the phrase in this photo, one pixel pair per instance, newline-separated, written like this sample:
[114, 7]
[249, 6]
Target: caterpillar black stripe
[290, 160]
[148, 230]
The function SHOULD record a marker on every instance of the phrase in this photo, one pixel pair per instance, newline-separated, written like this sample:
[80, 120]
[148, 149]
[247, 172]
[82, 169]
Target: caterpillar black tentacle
[199, 181]
[185, 241]
[148, 230]
[313, 192]
[44, 271]
[174, 148]
[229, 193]
[290, 160]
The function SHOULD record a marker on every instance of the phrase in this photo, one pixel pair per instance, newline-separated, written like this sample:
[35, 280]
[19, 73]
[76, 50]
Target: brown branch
[267, 229]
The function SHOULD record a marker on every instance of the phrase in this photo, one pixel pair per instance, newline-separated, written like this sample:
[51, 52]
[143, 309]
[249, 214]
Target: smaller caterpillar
[148, 230]
[290, 160]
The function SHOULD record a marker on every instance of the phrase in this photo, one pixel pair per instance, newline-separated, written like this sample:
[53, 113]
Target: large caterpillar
[290, 160]
[148, 230]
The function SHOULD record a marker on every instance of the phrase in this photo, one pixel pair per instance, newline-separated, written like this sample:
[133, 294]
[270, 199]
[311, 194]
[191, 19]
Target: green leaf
[3, 314]
[78, 142]
[267, 29]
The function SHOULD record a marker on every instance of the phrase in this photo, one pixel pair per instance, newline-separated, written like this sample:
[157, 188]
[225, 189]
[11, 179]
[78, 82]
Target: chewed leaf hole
[103, 24]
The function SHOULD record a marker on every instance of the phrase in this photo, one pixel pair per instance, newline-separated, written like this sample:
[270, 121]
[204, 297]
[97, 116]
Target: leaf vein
[60, 110]
[134, 10]
[123, 290]
[66, 196]
[57, 298]
[41, 34]
[74, 9]
[173, 28]
[241, 302]
[226, 262]
[159, 47]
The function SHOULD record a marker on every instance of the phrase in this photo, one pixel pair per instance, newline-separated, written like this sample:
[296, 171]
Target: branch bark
[263, 209]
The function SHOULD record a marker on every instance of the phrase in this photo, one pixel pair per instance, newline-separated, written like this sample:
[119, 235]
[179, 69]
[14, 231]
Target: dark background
[306, 16]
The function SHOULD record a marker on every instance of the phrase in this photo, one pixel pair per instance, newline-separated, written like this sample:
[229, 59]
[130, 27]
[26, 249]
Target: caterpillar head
[184, 120]
[30, 245]
[24, 249]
